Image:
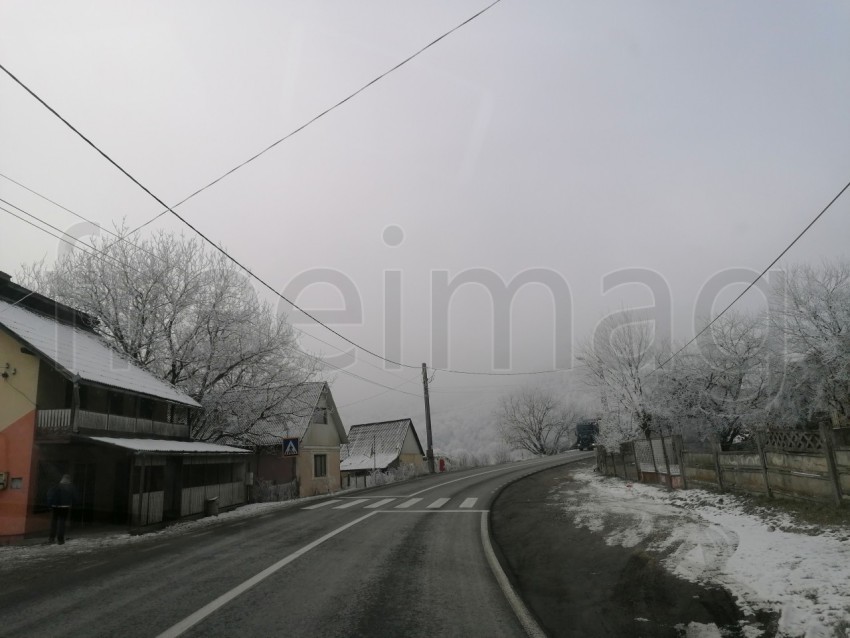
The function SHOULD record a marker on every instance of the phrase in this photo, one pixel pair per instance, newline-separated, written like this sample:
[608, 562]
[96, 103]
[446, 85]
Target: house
[69, 404]
[382, 446]
[309, 416]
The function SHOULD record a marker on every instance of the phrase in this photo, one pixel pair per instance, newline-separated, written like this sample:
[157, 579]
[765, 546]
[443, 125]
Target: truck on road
[586, 432]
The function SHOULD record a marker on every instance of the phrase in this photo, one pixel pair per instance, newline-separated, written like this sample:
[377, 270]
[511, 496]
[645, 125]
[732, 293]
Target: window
[320, 465]
[145, 409]
[320, 415]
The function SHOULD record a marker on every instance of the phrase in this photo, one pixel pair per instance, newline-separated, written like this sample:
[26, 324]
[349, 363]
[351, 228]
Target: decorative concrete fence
[813, 465]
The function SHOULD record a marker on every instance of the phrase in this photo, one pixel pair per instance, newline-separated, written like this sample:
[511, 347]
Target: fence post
[717, 465]
[637, 463]
[828, 444]
[763, 457]
[679, 449]
[666, 464]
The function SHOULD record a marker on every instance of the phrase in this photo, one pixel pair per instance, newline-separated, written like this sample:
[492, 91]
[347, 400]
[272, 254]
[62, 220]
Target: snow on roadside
[775, 564]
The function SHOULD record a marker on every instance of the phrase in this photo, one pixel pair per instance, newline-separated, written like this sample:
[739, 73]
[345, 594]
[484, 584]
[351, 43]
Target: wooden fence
[812, 465]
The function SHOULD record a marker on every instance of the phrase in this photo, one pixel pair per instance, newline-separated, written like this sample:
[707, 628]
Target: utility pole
[430, 451]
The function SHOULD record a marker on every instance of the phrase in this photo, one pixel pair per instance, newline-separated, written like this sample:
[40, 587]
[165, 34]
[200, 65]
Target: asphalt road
[401, 560]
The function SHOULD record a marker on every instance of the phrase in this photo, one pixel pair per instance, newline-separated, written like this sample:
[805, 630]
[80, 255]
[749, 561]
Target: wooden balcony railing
[59, 422]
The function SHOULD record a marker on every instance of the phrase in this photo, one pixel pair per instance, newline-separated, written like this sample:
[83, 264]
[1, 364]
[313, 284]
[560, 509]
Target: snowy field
[767, 562]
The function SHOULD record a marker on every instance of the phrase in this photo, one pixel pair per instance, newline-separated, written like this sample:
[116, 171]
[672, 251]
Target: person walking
[60, 498]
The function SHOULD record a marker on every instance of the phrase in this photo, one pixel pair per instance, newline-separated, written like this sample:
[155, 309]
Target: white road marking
[380, 503]
[206, 610]
[407, 504]
[532, 629]
[318, 505]
[438, 503]
[504, 468]
[351, 504]
[397, 511]
[470, 502]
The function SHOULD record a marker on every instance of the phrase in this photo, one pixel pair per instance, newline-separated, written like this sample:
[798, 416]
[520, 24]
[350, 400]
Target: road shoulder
[578, 585]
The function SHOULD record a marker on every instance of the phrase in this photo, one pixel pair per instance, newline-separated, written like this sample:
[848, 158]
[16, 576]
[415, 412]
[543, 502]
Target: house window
[320, 465]
[145, 409]
[320, 415]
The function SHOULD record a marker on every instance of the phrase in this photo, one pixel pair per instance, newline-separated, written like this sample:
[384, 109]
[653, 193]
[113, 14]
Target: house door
[172, 488]
[121, 493]
[84, 482]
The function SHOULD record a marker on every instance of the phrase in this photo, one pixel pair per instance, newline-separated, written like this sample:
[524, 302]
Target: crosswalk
[398, 503]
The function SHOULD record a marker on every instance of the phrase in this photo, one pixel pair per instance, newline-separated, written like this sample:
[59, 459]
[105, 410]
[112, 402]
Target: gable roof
[293, 419]
[375, 445]
[81, 354]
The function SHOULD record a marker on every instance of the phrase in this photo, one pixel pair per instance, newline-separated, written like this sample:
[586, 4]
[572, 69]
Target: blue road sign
[290, 447]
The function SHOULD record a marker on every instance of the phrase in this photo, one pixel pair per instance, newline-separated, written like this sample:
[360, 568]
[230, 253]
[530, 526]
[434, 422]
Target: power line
[320, 115]
[76, 245]
[73, 244]
[756, 280]
[233, 259]
[134, 245]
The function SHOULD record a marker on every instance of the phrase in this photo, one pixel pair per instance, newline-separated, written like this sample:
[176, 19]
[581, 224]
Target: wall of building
[17, 432]
[410, 452]
[308, 483]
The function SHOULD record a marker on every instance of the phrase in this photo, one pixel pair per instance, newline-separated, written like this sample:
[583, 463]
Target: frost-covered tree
[618, 361]
[812, 313]
[187, 314]
[536, 420]
[719, 388]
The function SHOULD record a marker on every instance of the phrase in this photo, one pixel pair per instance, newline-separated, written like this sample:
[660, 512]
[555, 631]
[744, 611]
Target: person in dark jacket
[60, 498]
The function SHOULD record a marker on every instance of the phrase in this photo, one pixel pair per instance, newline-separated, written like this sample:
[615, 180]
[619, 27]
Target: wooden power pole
[430, 451]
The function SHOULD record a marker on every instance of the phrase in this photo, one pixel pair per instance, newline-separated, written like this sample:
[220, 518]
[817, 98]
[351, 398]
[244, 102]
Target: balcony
[59, 422]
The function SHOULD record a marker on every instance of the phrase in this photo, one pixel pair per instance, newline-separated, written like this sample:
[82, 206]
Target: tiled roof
[294, 417]
[83, 354]
[382, 440]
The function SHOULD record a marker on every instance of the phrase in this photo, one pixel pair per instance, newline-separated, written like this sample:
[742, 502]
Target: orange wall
[16, 458]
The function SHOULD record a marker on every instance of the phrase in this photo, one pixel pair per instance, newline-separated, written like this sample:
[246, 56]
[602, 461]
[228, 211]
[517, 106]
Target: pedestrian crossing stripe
[340, 504]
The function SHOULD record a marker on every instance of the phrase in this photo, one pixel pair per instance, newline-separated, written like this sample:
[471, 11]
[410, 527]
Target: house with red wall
[69, 404]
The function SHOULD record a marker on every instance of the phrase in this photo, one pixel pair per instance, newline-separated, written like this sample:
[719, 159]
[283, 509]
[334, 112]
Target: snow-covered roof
[383, 440]
[293, 418]
[364, 462]
[83, 354]
[167, 446]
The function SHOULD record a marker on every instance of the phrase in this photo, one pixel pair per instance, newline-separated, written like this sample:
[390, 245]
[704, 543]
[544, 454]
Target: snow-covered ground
[768, 562]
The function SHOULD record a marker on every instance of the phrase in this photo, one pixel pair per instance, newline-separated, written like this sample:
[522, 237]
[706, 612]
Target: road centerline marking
[193, 619]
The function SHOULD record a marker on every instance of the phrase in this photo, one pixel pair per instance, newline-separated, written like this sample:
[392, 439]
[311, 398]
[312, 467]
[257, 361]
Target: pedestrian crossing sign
[290, 447]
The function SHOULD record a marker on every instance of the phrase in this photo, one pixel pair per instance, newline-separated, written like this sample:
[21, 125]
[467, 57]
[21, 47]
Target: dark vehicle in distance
[586, 432]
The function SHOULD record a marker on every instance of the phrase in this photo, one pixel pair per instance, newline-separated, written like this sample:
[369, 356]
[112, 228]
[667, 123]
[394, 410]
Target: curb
[523, 613]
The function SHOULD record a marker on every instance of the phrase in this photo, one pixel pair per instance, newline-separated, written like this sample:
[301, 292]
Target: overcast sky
[580, 139]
